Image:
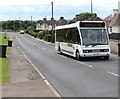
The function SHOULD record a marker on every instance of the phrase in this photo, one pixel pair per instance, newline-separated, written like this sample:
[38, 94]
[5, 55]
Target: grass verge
[4, 62]
[4, 77]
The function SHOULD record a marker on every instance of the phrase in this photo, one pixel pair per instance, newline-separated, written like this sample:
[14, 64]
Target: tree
[84, 16]
[81, 17]
[16, 25]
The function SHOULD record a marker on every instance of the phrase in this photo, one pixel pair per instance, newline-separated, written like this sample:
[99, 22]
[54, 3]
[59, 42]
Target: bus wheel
[78, 55]
[106, 57]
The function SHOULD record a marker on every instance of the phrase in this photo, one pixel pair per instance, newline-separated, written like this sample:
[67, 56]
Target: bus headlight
[106, 50]
[85, 51]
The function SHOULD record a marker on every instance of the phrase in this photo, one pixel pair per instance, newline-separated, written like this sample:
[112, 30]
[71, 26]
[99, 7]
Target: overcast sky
[38, 9]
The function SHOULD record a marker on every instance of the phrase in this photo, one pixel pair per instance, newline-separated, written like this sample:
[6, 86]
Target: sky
[38, 9]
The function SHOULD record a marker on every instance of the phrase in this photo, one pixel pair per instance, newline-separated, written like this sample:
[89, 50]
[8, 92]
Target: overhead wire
[45, 11]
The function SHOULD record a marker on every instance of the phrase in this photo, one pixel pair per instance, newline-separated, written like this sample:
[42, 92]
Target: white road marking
[34, 44]
[84, 64]
[51, 52]
[43, 48]
[113, 74]
[78, 62]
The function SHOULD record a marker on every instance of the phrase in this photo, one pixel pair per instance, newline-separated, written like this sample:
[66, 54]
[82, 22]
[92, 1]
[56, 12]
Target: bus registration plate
[96, 50]
[96, 54]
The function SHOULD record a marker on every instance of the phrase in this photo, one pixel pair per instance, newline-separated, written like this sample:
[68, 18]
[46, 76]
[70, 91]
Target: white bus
[83, 39]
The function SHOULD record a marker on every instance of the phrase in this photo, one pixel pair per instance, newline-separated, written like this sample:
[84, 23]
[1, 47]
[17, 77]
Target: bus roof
[77, 24]
[67, 26]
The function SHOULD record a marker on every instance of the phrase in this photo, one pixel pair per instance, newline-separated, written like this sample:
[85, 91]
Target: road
[69, 77]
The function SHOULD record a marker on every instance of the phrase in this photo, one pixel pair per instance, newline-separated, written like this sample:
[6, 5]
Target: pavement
[25, 80]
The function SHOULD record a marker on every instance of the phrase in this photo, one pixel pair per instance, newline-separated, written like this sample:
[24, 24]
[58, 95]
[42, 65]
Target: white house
[42, 25]
[48, 25]
[113, 23]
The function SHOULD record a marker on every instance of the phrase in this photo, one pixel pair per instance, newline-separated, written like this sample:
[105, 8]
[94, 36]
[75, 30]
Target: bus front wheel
[106, 57]
[78, 57]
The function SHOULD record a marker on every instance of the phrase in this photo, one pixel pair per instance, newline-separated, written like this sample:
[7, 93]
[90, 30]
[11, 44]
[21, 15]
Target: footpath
[25, 81]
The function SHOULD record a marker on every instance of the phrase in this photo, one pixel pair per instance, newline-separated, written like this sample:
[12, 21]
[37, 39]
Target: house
[113, 24]
[61, 21]
[42, 25]
[49, 24]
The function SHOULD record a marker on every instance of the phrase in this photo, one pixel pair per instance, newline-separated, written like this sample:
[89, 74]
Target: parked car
[22, 32]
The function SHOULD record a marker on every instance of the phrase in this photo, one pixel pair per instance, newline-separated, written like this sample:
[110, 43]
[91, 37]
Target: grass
[3, 40]
[4, 62]
[4, 77]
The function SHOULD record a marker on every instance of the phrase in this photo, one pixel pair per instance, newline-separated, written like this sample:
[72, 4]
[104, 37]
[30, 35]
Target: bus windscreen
[87, 24]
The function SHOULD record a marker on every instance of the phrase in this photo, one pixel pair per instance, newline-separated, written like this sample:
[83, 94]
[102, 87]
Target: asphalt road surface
[69, 77]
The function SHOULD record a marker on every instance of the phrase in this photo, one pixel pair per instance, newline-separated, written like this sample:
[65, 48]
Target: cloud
[23, 2]
[41, 8]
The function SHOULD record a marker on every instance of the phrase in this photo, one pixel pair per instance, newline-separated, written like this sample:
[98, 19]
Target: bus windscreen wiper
[99, 44]
[94, 44]
[88, 45]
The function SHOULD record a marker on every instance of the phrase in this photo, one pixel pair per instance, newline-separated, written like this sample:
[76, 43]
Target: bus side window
[77, 37]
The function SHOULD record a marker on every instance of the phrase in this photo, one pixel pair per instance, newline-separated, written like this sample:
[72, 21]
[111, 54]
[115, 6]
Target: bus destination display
[87, 24]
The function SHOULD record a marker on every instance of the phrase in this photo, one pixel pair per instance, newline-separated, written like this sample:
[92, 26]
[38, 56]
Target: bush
[45, 32]
[48, 37]
[41, 35]
[32, 33]
[53, 38]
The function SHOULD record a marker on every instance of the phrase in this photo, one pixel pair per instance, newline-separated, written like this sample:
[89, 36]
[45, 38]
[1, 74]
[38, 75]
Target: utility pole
[6, 26]
[19, 23]
[52, 19]
[5, 30]
[91, 7]
[52, 9]
[1, 26]
[31, 18]
[13, 25]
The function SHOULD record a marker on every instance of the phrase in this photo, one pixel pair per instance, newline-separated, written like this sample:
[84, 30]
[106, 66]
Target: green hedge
[44, 35]
[48, 37]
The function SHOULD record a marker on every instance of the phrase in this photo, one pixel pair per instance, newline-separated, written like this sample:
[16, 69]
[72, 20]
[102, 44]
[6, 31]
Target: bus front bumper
[94, 54]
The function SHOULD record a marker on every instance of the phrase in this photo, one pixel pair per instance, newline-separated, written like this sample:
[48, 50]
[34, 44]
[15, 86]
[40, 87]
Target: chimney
[44, 19]
[115, 11]
[61, 18]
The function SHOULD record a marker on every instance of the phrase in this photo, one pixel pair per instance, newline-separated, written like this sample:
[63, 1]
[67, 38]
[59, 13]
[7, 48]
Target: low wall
[114, 46]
